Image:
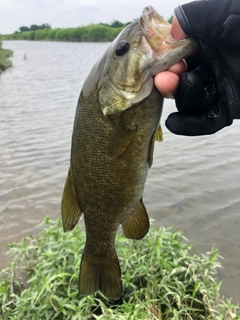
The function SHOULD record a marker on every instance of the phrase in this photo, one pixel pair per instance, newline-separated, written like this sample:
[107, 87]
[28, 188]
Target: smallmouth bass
[115, 128]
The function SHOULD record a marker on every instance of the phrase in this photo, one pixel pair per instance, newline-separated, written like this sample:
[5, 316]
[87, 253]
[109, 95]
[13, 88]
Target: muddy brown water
[194, 184]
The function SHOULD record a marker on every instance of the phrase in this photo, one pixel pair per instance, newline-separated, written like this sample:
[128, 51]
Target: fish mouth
[156, 32]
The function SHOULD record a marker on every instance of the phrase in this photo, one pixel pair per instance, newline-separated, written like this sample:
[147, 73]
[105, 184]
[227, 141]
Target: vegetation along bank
[91, 33]
[4, 61]
[162, 279]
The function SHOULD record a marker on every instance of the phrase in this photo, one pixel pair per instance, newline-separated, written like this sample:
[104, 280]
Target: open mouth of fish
[156, 32]
[142, 50]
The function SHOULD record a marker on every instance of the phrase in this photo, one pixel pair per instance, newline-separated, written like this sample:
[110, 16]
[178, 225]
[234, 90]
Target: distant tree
[23, 29]
[45, 26]
[117, 24]
[34, 27]
[170, 20]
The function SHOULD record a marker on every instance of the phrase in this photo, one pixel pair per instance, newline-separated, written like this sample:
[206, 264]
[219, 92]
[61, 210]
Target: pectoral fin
[121, 137]
[70, 210]
[137, 225]
[157, 136]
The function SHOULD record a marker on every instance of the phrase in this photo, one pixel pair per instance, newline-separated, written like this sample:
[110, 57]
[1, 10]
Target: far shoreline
[91, 33]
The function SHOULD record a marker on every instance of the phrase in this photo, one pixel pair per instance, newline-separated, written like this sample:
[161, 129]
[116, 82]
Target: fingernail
[167, 95]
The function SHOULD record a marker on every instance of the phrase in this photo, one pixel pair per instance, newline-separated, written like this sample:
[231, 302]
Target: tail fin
[100, 273]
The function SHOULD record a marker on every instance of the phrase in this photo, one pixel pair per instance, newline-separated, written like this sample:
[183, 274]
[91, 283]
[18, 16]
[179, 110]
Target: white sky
[74, 13]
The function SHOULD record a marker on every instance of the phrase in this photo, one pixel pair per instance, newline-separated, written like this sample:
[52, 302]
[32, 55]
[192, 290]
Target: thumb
[177, 32]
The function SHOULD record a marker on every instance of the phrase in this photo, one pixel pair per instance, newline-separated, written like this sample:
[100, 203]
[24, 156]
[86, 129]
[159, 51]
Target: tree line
[34, 27]
[90, 33]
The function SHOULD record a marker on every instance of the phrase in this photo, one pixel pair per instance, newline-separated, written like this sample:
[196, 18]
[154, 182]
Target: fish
[115, 128]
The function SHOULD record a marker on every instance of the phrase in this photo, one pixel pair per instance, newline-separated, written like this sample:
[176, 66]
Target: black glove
[208, 97]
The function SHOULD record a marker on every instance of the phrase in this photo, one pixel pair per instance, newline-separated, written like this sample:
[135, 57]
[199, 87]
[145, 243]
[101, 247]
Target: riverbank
[162, 279]
[184, 188]
[4, 61]
[90, 33]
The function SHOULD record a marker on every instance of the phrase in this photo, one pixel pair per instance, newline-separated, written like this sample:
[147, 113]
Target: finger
[179, 67]
[167, 83]
[177, 32]
[188, 125]
[197, 125]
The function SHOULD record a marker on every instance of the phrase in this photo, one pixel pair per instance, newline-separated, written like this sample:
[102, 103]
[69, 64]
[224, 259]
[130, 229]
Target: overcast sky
[74, 13]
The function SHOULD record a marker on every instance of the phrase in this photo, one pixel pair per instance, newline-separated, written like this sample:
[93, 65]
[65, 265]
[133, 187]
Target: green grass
[4, 61]
[162, 279]
[90, 33]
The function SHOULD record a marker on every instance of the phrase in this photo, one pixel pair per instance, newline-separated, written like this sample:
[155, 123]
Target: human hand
[167, 81]
[207, 95]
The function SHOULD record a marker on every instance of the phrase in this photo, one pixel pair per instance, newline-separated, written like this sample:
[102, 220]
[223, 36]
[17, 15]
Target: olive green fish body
[109, 187]
[115, 127]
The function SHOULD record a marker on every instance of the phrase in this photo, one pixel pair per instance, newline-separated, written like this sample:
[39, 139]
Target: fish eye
[122, 48]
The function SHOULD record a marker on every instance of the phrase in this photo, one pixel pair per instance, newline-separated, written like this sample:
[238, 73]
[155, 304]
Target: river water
[194, 184]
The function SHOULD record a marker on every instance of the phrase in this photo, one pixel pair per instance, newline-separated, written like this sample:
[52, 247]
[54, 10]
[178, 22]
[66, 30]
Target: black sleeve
[211, 21]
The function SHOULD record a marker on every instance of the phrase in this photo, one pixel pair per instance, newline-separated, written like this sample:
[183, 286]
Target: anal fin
[137, 225]
[70, 210]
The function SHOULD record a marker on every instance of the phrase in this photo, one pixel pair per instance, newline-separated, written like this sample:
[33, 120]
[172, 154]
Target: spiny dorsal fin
[70, 210]
[120, 139]
[137, 225]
